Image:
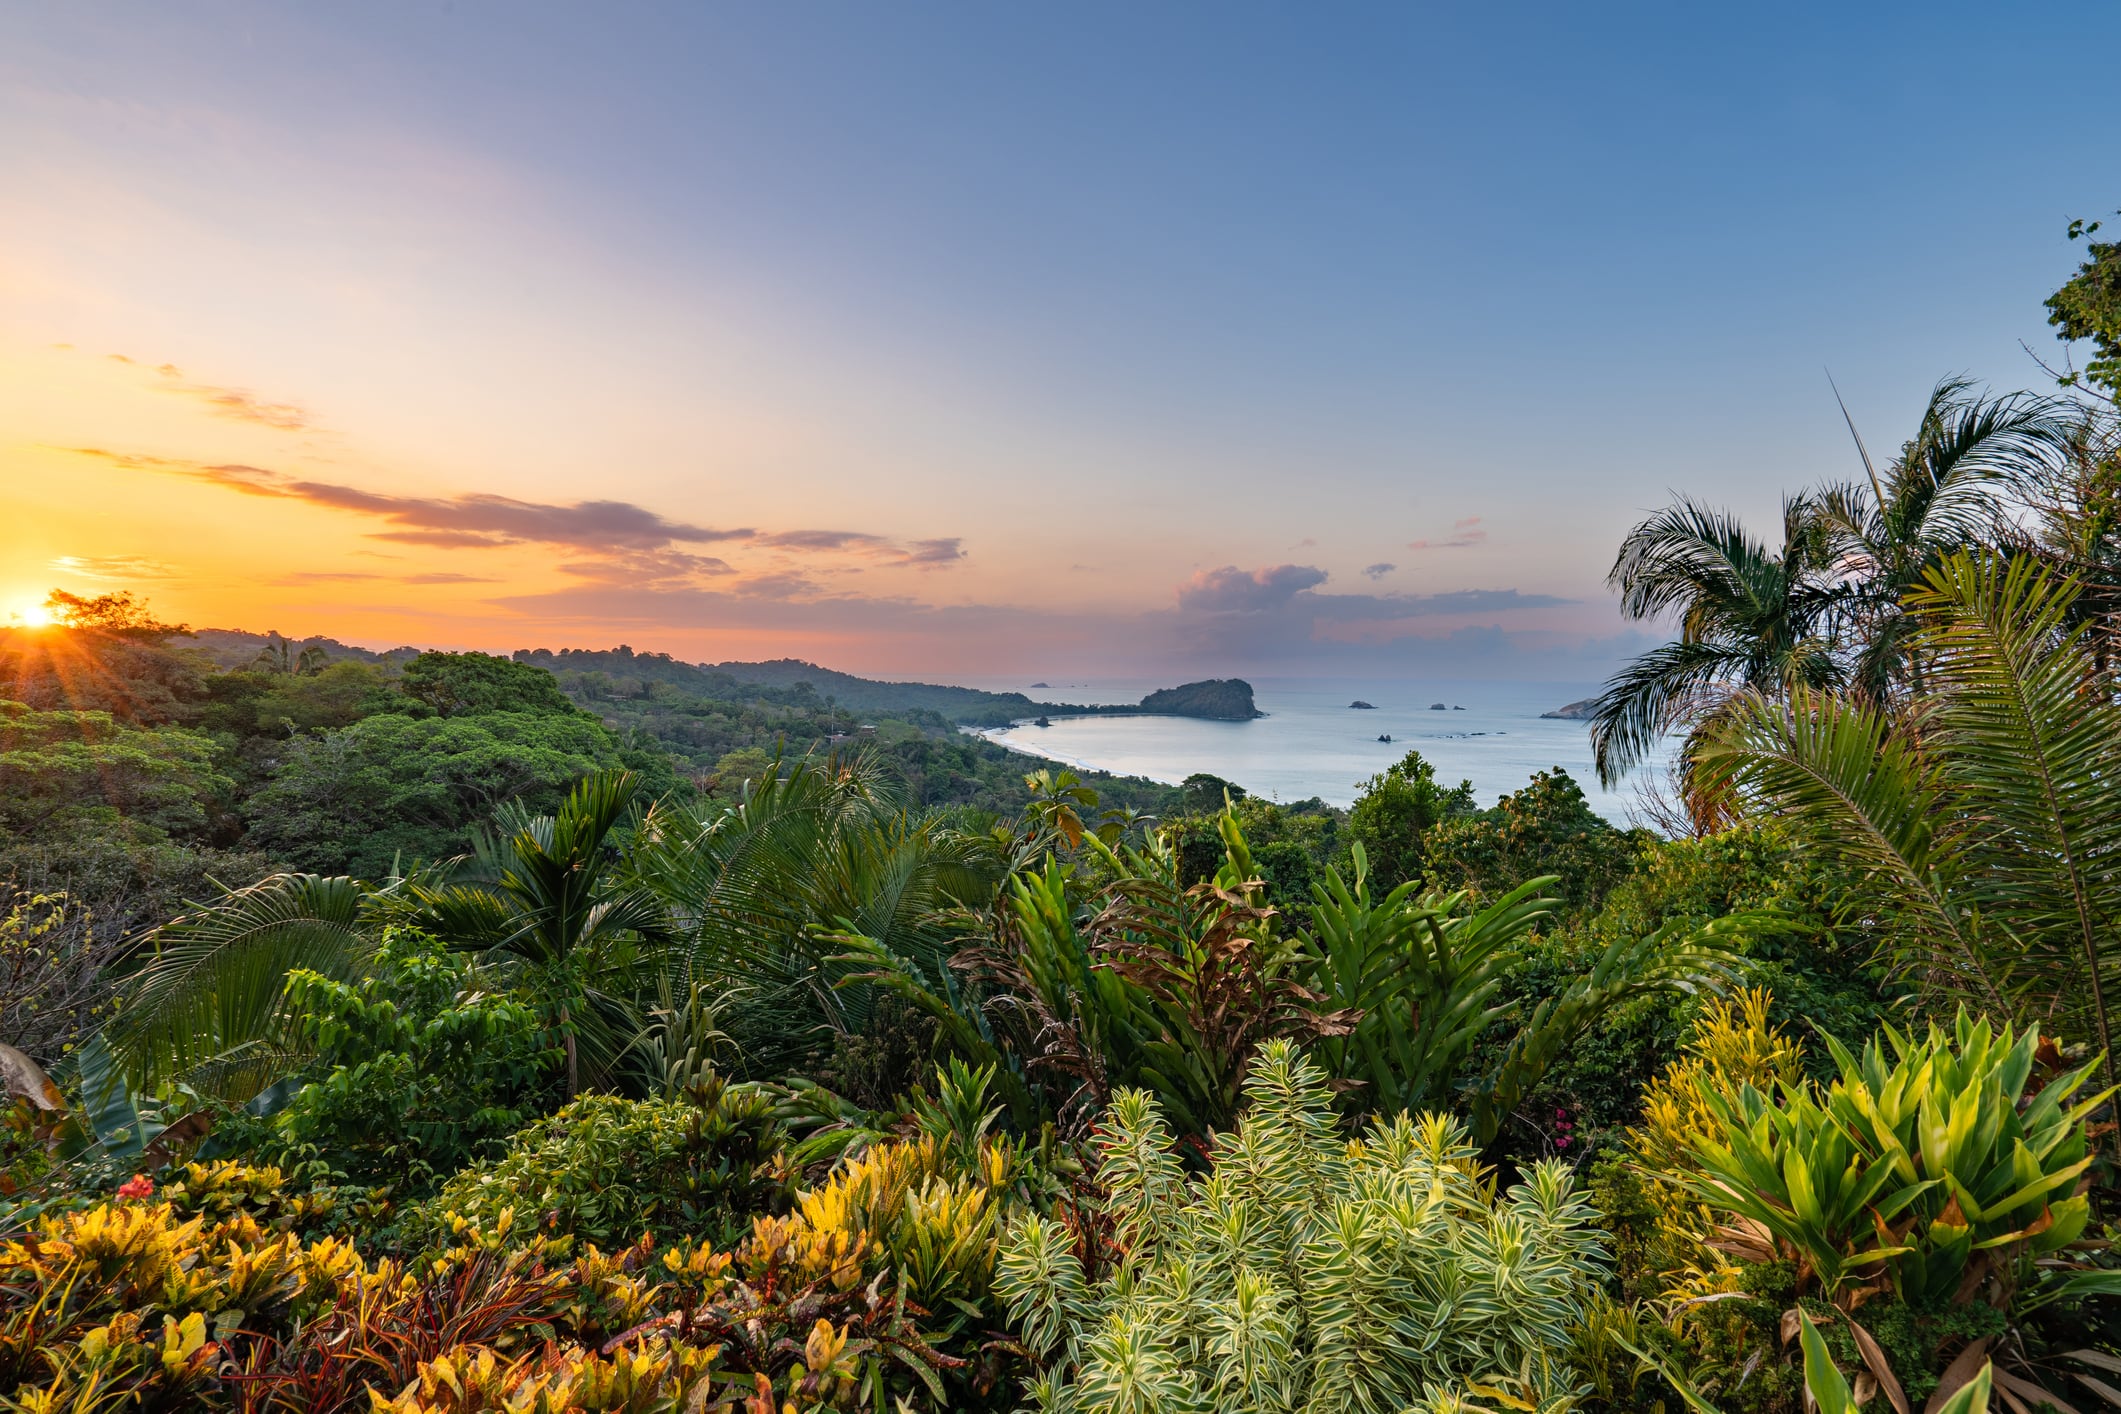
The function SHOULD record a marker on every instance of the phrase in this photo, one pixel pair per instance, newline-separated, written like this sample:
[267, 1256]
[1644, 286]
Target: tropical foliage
[1984, 820]
[1303, 1271]
[594, 1031]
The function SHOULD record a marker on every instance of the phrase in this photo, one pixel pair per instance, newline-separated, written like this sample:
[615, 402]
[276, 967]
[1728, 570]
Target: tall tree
[1750, 618]
[1394, 813]
[2088, 306]
[554, 904]
[1942, 493]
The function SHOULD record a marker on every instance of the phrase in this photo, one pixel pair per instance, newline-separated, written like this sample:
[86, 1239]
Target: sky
[984, 342]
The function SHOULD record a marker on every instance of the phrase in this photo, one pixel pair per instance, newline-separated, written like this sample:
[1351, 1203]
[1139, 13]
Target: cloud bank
[622, 538]
[725, 591]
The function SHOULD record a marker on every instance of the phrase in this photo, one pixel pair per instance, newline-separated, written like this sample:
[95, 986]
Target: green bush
[1303, 1272]
[1817, 962]
[605, 1170]
[1923, 1208]
[417, 1071]
[1546, 828]
[1938, 1172]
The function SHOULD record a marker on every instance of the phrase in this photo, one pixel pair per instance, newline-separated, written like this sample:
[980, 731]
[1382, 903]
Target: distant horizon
[981, 682]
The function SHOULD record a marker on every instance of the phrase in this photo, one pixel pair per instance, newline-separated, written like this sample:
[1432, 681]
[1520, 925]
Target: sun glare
[31, 616]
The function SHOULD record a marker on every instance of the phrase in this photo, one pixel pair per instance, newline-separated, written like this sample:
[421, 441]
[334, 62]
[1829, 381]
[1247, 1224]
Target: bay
[1313, 743]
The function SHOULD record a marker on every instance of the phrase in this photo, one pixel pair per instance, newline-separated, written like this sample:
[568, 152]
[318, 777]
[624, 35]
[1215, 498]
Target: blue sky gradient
[1115, 301]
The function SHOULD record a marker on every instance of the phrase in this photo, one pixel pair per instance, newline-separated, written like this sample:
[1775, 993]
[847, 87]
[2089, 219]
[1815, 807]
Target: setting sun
[31, 615]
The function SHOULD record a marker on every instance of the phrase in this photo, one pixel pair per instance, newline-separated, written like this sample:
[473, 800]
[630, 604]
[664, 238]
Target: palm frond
[1859, 788]
[210, 987]
[1647, 699]
[2034, 751]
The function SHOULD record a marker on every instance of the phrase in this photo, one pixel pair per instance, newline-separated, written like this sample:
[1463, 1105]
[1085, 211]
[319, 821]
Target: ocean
[1313, 743]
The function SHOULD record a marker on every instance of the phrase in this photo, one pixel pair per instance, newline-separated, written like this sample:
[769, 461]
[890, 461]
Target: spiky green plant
[1932, 1167]
[1303, 1272]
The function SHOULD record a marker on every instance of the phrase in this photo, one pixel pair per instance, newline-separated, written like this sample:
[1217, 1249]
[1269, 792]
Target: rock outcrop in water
[1574, 712]
[1218, 699]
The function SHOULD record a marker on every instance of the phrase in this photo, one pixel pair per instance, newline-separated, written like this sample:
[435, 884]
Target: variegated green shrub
[1305, 1271]
[1940, 1168]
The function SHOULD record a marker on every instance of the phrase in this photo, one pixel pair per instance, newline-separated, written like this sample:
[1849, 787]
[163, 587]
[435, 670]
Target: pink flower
[1562, 1142]
[138, 1186]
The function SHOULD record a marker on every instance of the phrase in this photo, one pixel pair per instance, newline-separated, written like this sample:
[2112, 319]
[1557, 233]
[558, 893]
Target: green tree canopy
[1393, 815]
[470, 684]
[1546, 828]
[2089, 307]
[393, 788]
[1205, 793]
[65, 772]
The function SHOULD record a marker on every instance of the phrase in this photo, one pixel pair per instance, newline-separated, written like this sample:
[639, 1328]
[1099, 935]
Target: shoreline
[993, 736]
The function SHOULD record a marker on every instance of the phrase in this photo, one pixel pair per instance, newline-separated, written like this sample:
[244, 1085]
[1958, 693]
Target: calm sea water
[1311, 742]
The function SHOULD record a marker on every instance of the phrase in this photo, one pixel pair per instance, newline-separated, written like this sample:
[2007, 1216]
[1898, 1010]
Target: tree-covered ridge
[790, 682]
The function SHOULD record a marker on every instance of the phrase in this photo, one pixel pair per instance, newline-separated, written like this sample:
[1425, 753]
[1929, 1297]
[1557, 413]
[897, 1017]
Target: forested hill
[793, 682]
[1222, 699]
[967, 705]
[229, 648]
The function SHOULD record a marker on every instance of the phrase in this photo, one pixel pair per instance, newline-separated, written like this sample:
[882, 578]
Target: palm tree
[757, 893]
[278, 656]
[1942, 493]
[2071, 518]
[1750, 618]
[554, 904]
[544, 897]
[1824, 612]
[1987, 816]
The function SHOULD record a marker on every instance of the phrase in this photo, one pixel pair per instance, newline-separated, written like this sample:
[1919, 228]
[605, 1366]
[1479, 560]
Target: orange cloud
[238, 403]
[114, 569]
[610, 541]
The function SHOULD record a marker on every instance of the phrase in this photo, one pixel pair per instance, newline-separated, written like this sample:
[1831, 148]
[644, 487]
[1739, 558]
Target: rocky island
[1359, 705]
[1213, 699]
[1218, 699]
[1574, 712]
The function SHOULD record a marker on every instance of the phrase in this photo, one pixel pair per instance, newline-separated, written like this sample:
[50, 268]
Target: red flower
[138, 1186]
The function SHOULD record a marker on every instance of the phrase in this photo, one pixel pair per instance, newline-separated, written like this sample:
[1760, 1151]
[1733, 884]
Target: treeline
[142, 766]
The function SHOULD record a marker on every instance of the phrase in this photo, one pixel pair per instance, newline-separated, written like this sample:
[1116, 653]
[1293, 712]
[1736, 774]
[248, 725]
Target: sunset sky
[991, 341]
